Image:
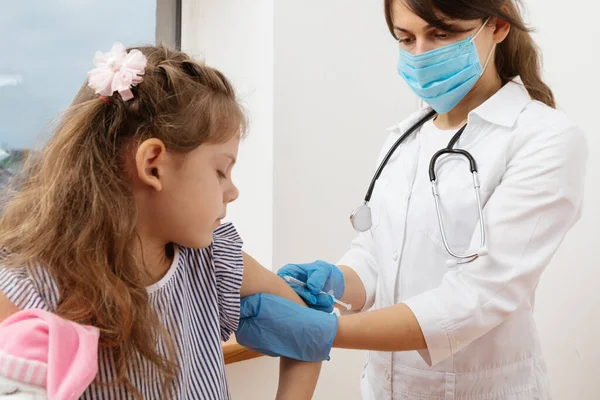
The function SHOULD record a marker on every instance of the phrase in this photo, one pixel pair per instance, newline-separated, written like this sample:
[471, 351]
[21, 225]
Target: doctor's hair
[517, 55]
[74, 213]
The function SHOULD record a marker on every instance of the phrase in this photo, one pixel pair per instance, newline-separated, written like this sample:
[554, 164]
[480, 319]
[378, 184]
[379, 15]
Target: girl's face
[416, 36]
[183, 198]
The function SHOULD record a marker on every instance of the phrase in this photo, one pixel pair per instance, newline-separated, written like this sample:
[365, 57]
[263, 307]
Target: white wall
[334, 92]
[568, 297]
[236, 36]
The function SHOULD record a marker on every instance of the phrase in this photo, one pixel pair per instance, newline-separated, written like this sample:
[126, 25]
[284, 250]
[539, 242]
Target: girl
[118, 226]
[464, 329]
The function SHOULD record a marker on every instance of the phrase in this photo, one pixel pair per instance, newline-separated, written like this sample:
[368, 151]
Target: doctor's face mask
[505, 46]
[443, 67]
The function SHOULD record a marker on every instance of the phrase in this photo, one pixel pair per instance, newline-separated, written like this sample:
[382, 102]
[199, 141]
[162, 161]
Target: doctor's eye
[405, 41]
[443, 35]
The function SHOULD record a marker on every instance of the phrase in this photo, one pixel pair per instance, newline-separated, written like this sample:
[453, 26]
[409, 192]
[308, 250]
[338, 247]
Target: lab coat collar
[409, 122]
[502, 109]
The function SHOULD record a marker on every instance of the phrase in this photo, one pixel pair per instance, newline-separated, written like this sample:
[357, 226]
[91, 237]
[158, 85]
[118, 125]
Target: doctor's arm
[356, 290]
[354, 285]
[297, 380]
[360, 279]
[536, 203]
[355, 275]
[527, 217]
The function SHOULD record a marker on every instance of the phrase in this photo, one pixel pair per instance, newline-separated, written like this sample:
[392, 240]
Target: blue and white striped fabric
[198, 302]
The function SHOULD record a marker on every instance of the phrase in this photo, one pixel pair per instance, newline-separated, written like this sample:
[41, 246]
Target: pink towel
[43, 353]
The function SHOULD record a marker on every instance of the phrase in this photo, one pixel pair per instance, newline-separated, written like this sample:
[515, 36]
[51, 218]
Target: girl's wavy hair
[74, 214]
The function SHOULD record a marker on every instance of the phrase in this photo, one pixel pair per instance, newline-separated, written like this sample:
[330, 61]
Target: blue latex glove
[276, 326]
[320, 276]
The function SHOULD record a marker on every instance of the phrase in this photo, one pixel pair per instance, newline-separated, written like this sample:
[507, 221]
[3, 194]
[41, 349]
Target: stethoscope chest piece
[361, 218]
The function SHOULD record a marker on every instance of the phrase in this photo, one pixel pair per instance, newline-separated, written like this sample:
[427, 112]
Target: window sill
[234, 352]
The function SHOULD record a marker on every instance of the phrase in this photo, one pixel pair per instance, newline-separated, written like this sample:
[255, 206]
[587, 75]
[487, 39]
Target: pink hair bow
[117, 71]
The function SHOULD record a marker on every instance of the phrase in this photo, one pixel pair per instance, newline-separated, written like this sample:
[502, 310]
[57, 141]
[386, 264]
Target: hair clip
[117, 71]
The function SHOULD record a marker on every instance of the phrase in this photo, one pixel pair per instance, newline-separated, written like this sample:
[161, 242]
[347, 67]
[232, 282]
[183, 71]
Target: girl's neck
[487, 86]
[155, 257]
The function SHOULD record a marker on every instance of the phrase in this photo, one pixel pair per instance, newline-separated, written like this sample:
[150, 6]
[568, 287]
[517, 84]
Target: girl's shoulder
[28, 287]
[213, 276]
[225, 249]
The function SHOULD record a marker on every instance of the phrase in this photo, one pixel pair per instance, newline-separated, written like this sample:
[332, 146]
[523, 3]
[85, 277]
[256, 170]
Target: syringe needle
[295, 281]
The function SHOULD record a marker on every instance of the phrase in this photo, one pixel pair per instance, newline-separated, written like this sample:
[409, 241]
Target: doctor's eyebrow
[397, 28]
[447, 28]
[403, 30]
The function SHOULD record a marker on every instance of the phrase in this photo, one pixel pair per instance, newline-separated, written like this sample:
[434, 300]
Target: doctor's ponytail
[517, 55]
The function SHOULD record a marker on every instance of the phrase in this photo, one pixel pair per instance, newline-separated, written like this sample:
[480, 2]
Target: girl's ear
[150, 163]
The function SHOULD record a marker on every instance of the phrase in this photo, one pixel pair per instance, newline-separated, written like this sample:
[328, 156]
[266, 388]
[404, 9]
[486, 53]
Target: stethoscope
[361, 217]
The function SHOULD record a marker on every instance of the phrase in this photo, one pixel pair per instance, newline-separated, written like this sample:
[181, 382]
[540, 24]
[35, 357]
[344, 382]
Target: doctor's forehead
[405, 20]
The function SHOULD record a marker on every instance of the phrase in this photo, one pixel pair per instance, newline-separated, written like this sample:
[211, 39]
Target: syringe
[295, 281]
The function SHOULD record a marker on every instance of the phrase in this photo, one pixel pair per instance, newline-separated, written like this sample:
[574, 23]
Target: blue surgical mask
[444, 76]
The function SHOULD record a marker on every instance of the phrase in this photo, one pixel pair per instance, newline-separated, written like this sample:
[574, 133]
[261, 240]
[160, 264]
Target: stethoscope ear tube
[361, 217]
[436, 156]
[391, 151]
[461, 258]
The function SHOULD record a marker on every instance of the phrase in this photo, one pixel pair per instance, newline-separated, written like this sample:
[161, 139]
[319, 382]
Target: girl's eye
[221, 175]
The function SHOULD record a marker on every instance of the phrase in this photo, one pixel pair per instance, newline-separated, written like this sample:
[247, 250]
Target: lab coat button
[395, 256]
[387, 375]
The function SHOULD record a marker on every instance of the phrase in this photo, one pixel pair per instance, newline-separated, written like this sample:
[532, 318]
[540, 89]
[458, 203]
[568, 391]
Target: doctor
[451, 303]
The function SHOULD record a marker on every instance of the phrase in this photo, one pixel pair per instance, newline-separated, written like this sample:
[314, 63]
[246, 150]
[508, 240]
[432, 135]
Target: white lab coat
[477, 319]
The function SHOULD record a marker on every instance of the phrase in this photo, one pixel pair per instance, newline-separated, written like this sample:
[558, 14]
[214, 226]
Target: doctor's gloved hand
[276, 326]
[320, 276]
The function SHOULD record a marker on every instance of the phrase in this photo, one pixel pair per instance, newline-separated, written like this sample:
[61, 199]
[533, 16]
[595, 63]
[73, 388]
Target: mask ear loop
[481, 28]
[493, 47]
[489, 57]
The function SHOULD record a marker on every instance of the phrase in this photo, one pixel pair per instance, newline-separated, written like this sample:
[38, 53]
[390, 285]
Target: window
[47, 49]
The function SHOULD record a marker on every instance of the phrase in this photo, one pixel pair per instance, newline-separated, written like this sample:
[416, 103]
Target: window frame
[168, 23]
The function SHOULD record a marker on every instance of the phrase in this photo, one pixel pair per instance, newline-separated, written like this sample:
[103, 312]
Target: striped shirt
[198, 301]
